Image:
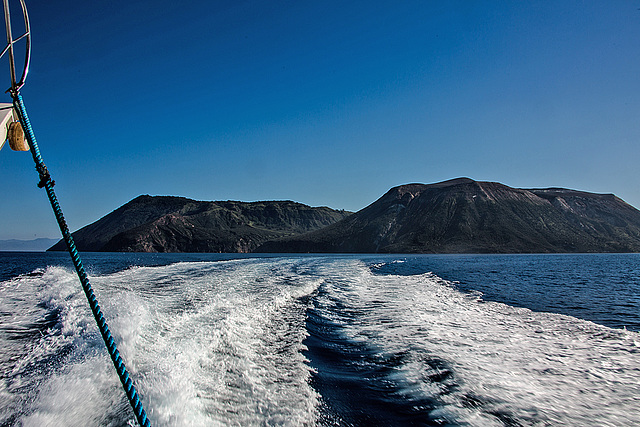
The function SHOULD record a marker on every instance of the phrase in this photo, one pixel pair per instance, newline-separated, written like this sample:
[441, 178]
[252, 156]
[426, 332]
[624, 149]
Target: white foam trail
[535, 368]
[207, 343]
[56, 369]
[220, 344]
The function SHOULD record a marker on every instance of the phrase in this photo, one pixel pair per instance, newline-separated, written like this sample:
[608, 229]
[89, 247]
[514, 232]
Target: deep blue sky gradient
[325, 103]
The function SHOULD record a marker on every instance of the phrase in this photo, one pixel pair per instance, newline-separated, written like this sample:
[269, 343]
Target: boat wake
[303, 341]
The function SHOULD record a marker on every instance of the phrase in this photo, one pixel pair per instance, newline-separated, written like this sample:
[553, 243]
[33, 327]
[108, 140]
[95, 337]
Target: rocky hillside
[466, 216]
[177, 224]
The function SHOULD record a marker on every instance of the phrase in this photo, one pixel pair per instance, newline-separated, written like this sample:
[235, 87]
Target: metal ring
[16, 85]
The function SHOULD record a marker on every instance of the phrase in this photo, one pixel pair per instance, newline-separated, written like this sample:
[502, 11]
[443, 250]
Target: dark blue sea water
[356, 340]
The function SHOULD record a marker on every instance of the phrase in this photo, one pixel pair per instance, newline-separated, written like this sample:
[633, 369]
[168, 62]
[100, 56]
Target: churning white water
[287, 341]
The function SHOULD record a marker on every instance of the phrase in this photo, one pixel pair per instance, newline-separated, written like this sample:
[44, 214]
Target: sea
[324, 340]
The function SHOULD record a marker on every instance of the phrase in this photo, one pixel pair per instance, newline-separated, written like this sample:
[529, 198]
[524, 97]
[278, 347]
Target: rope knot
[45, 176]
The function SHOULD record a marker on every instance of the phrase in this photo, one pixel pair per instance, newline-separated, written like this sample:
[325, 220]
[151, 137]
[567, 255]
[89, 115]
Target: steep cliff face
[177, 224]
[466, 216]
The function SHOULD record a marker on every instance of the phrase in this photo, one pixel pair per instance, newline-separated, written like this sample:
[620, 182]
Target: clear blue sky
[325, 103]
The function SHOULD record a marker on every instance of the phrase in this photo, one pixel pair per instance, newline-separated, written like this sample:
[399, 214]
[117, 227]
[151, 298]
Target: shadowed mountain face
[456, 216]
[466, 216]
[177, 224]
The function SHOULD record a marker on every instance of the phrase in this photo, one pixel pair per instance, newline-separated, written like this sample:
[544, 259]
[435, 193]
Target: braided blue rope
[47, 183]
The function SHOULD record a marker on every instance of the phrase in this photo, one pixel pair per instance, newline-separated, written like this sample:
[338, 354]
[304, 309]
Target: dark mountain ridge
[467, 216]
[455, 216]
[178, 224]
